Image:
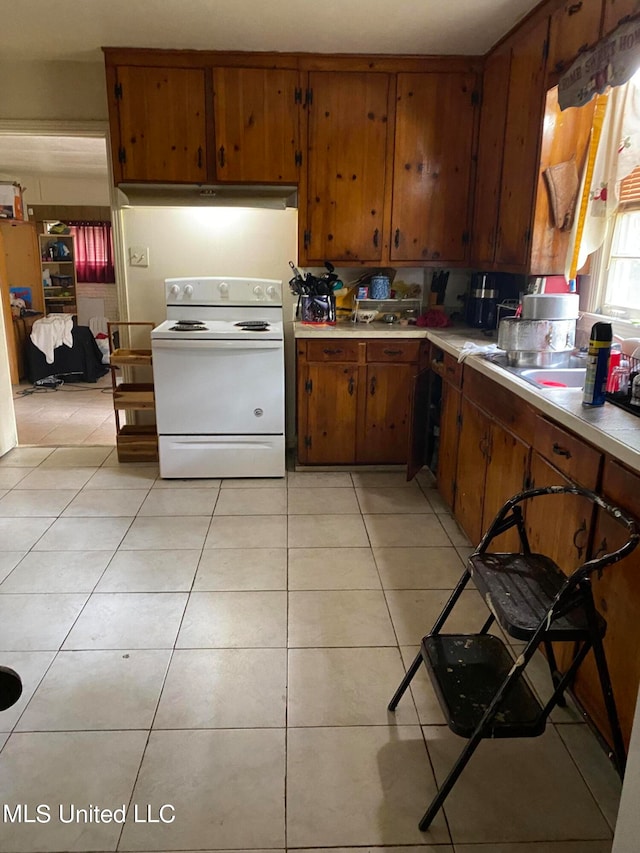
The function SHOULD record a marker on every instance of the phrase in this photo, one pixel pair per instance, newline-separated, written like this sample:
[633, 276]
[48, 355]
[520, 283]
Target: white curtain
[617, 156]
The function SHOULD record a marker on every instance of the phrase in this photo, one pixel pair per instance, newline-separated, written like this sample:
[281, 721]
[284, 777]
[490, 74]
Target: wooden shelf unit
[134, 442]
[60, 296]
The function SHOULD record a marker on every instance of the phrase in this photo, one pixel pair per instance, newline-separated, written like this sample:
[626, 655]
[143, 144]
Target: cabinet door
[495, 89]
[566, 134]
[162, 124]
[558, 525]
[507, 470]
[384, 435]
[432, 167]
[616, 596]
[330, 396]
[448, 442]
[616, 10]
[521, 142]
[473, 453]
[346, 166]
[256, 124]
[575, 26]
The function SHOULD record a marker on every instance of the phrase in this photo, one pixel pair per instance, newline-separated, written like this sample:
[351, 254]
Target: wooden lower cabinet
[387, 412]
[557, 525]
[449, 440]
[355, 400]
[327, 405]
[492, 467]
[507, 467]
[471, 469]
[617, 597]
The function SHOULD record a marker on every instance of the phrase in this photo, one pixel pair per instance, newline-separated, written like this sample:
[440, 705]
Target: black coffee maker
[482, 303]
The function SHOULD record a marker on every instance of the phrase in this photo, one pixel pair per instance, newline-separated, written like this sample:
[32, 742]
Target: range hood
[207, 195]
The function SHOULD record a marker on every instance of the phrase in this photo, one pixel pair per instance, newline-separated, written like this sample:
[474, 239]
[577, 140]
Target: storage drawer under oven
[219, 387]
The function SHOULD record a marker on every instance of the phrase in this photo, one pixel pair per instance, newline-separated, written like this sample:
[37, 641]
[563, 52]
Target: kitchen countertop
[607, 427]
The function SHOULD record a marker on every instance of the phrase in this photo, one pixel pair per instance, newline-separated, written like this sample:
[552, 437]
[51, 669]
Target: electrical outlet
[138, 256]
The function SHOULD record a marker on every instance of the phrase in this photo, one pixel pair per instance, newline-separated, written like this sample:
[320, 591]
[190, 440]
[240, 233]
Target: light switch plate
[138, 256]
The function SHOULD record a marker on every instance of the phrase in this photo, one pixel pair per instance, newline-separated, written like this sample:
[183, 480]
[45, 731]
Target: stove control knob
[223, 287]
[271, 292]
[259, 292]
[188, 289]
[174, 290]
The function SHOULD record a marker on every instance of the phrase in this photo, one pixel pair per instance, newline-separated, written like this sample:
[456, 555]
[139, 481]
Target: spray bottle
[595, 382]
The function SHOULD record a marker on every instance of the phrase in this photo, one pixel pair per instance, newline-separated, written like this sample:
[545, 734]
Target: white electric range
[218, 370]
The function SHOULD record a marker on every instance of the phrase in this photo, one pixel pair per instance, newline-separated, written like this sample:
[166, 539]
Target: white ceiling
[59, 156]
[77, 29]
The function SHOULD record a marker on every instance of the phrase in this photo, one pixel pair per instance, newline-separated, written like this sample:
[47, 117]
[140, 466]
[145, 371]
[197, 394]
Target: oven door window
[219, 387]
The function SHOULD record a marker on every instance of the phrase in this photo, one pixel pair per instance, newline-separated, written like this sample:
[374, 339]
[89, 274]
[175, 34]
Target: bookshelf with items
[57, 262]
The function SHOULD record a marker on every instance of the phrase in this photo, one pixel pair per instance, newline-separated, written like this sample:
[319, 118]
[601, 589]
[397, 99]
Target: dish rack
[623, 400]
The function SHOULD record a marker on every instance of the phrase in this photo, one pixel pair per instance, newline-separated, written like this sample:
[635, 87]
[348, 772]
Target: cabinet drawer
[447, 367]
[401, 351]
[578, 461]
[621, 487]
[501, 403]
[332, 350]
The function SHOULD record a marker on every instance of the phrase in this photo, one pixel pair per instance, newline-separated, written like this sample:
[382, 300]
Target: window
[94, 251]
[620, 279]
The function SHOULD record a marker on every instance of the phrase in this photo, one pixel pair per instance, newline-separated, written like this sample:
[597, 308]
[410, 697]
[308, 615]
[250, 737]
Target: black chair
[479, 685]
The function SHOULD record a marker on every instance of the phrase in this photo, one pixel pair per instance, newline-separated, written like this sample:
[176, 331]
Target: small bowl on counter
[365, 315]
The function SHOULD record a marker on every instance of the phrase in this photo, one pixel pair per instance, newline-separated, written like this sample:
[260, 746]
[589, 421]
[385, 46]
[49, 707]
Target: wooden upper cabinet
[348, 129]
[521, 143]
[256, 117]
[493, 115]
[565, 142]
[434, 132]
[575, 26]
[616, 10]
[162, 125]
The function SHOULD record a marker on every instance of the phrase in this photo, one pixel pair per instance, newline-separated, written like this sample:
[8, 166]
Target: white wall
[8, 435]
[53, 91]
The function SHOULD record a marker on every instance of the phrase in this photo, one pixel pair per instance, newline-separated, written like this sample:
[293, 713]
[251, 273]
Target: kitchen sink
[553, 377]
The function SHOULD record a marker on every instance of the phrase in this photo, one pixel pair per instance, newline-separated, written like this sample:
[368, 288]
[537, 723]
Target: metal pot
[550, 306]
[522, 358]
[516, 333]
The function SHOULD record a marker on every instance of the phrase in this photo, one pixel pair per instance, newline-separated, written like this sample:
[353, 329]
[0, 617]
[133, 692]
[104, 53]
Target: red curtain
[94, 251]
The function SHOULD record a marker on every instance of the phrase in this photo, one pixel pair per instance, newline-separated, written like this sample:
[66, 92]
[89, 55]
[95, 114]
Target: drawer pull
[392, 351]
[352, 386]
[581, 529]
[450, 369]
[332, 351]
[574, 8]
[561, 451]
[374, 382]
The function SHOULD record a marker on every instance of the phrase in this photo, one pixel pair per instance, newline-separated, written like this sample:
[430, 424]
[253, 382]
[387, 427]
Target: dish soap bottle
[595, 382]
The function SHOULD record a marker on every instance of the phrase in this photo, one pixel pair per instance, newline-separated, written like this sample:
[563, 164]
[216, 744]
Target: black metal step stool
[478, 683]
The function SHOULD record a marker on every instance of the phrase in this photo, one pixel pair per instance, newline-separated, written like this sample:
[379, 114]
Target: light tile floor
[74, 413]
[229, 648]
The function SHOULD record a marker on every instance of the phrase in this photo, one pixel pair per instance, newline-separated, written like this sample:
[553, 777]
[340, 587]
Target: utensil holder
[317, 310]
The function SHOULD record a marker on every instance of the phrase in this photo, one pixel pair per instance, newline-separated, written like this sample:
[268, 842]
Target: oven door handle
[239, 346]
